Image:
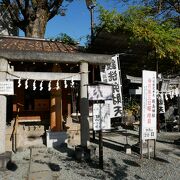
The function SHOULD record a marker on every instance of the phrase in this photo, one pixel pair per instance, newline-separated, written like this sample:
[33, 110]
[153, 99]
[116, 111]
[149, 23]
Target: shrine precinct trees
[161, 38]
[167, 10]
[31, 16]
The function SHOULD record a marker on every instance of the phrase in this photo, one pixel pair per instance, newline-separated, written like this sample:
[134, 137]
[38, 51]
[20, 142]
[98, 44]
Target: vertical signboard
[149, 105]
[101, 116]
[111, 74]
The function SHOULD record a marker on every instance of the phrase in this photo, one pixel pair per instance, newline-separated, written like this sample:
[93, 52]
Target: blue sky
[76, 23]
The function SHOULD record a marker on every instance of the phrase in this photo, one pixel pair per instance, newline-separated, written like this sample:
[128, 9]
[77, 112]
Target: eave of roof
[40, 50]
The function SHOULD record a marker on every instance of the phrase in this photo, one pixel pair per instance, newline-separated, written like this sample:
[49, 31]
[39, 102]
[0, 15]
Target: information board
[6, 87]
[149, 105]
[101, 116]
[99, 92]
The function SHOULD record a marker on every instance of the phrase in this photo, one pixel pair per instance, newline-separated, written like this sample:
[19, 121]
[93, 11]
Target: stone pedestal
[55, 139]
[127, 149]
[4, 159]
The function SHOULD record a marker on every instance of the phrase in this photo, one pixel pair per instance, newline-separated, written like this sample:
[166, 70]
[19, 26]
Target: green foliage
[66, 39]
[133, 104]
[139, 24]
[110, 21]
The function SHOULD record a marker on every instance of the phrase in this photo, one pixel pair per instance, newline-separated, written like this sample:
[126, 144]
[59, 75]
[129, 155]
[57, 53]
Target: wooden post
[56, 105]
[141, 149]
[154, 148]
[100, 149]
[148, 147]
[100, 140]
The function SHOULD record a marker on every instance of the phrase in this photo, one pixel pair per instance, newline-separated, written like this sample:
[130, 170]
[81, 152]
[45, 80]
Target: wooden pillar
[56, 105]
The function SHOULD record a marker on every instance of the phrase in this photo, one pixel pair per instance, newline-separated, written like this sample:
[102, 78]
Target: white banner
[111, 74]
[99, 92]
[161, 103]
[101, 116]
[149, 105]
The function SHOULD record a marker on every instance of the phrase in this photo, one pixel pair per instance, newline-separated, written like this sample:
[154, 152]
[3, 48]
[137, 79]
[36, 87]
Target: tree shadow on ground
[123, 133]
[165, 142]
[63, 148]
[177, 141]
[167, 152]
[117, 147]
[131, 163]
[116, 171]
[11, 166]
[137, 177]
[161, 160]
[91, 168]
[177, 154]
[54, 167]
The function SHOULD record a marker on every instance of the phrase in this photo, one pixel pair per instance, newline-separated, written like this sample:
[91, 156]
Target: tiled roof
[15, 48]
[34, 44]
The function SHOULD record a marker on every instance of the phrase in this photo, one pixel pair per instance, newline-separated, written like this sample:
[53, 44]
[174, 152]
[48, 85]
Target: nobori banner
[7, 87]
[111, 74]
[149, 105]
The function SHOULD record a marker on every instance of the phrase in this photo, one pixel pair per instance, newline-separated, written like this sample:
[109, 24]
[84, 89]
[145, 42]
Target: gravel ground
[60, 164]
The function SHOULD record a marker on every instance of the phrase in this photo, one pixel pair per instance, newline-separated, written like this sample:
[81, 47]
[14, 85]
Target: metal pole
[92, 22]
[90, 6]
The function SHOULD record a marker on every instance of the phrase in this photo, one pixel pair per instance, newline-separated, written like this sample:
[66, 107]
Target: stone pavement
[59, 164]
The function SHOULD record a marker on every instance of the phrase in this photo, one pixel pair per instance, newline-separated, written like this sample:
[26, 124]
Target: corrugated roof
[34, 44]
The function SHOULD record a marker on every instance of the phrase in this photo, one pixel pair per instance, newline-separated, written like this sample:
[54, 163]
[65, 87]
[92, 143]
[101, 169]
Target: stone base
[127, 149]
[55, 139]
[136, 148]
[85, 153]
[4, 159]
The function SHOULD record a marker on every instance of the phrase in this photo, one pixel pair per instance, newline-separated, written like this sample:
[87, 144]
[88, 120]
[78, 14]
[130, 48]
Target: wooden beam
[53, 57]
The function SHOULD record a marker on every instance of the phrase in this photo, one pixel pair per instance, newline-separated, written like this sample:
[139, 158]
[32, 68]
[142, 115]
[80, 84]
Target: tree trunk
[37, 26]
